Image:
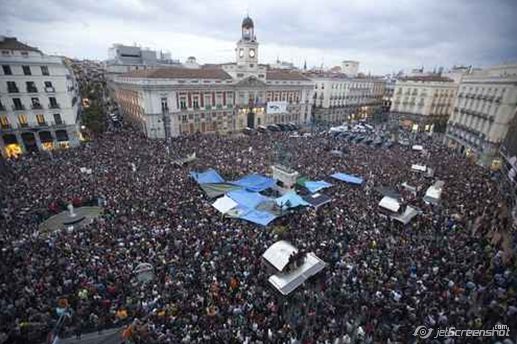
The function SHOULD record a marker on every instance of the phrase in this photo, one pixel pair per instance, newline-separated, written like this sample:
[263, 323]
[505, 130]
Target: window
[57, 118]
[251, 65]
[4, 121]
[35, 103]
[11, 87]
[31, 87]
[26, 70]
[48, 84]
[183, 103]
[219, 99]
[44, 70]
[7, 70]
[53, 103]
[5, 53]
[22, 119]
[25, 53]
[195, 102]
[240, 75]
[165, 107]
[17, 104]
[41, 119]
[208, 100]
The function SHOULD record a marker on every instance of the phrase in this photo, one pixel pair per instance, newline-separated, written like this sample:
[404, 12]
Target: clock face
[252, 52]
[241, 52]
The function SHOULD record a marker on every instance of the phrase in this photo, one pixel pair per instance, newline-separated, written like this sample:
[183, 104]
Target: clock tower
[247, 47]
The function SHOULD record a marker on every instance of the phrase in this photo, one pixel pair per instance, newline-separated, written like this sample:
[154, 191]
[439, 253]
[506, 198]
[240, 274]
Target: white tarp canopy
[419, 168]
[410, 188]
[390, 203]
[278, 254]
[434, 192]
[407, 216]
[417, 147]
[224, 204]
[285, 283]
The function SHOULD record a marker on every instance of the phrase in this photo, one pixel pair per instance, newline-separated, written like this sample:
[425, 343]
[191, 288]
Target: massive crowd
[383, 280]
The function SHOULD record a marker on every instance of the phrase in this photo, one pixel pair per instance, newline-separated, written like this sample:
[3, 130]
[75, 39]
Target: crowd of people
[446, 268]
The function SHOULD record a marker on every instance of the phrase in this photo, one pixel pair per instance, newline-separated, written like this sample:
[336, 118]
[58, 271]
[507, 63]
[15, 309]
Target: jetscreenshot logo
[423, 332]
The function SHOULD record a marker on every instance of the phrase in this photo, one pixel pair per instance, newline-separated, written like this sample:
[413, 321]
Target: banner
[276, 107]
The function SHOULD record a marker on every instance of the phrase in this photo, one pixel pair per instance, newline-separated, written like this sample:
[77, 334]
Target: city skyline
[399, 35]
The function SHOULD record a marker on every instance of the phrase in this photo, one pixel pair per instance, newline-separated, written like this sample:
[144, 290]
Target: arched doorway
[29, 141]
[12, 147]
[251, 120]
[47, 142]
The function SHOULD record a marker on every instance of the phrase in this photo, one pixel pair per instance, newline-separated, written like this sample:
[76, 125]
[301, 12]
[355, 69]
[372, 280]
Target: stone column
[20, 141]
[38, 141]
[2, 147]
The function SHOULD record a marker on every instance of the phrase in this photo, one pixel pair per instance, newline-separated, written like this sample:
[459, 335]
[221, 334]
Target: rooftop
[427, 78]
[283, 74]
[11, 43]
[179, 73]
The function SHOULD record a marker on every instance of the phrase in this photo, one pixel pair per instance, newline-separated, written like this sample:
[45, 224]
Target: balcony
[2, 107]
[36, 107]
[18, 107]
[54, 106]
[23, 125]
[50, 90]
[13, 90]
[5, 126]
[32, 90]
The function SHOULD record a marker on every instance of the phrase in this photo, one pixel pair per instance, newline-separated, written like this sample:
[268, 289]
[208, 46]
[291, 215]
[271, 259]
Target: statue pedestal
[285, 175]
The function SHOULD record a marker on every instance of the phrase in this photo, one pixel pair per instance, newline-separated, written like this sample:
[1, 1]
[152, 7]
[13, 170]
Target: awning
[290, 200]
[255, 182]
[285, 283]
[315, 186]
[209, 176]
[348, 178]
[224, 204]
[389, 203]
[418, 168]
[407, 216]
[278, 254]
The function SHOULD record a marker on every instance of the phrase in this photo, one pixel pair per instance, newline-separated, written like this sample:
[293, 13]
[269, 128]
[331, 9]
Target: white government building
[167, 102]
[38, 100]
[485, 106]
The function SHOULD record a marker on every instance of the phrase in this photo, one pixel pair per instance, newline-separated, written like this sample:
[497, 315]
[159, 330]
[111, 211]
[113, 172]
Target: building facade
[337, 98]
[39, 100]
[508, 154]
[423, 103]
[167, 102]
[485, 106]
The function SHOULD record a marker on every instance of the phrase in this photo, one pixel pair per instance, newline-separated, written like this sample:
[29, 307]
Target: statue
[71, 212]
[282, 157]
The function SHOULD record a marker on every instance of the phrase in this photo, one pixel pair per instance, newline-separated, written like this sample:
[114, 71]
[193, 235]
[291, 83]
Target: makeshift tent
[259, 217]
[255, 182]
[407, 216]
[290, 200]
[417, 147]
[389, 203]
[187, 159]
[209, 176]
[434, 192]
[247, 199]
[224, 204]
[301, 181]
[410, 188]
[285, 283]
[317, 200]
[348, 178]
[278, 254]
[214, 190]
[315, 186]
[418, 168]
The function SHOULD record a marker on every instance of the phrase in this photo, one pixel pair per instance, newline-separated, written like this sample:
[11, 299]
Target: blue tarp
[260, 217]
[348, 178]
[290, 200]
[255, 182]
[209, 176]
[314, 186]
[247, 199]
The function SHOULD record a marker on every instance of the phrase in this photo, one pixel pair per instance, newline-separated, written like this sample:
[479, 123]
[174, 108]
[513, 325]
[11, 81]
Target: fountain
[71, 219]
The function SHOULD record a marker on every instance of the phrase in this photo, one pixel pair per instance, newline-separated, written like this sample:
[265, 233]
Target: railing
[6, 126]
[2, 108]
[13, 90]
[53, 106]
[37, 106]
[32, 90]
[50, 89]
[23, 125]
[18, 108]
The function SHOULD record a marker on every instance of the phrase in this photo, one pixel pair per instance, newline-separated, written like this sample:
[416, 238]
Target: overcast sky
[384, 36]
